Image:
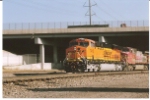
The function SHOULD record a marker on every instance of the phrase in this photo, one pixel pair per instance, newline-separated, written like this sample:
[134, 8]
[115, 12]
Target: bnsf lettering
[107, 54]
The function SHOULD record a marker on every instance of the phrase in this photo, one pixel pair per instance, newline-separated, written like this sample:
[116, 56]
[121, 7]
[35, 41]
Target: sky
[33, 11]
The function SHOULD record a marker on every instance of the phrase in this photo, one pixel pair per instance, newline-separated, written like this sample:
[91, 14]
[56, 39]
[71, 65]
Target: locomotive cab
[78, 48]
[76, 54]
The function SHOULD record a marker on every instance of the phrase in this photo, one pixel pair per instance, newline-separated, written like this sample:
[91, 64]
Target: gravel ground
[116, 86]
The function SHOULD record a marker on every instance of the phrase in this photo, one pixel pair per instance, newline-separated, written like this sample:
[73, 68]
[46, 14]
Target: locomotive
[85, 55]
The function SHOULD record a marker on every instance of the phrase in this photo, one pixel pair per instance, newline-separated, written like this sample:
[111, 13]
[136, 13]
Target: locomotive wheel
[145, 67]
[82, 70]
[67, 69]
[73, 69]
[79, 70]
[130, 68]
[93, 70]
[125, 69]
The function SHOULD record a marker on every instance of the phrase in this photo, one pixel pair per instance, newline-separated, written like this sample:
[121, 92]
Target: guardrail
[62, 25]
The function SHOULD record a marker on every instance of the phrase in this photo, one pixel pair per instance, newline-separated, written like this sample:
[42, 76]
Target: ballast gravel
[110, 86]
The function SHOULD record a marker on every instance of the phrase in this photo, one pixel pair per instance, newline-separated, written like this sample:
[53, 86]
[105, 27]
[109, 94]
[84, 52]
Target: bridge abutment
[42, 43]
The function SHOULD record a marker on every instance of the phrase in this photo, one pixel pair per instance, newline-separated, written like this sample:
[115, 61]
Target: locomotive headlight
[74, 48]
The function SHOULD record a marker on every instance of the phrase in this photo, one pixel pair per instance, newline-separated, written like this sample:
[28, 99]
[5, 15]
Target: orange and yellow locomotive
[86, 52]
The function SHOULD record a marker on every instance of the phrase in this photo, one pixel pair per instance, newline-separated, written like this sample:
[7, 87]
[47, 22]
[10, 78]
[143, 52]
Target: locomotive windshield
[84, 44]
[73, 43]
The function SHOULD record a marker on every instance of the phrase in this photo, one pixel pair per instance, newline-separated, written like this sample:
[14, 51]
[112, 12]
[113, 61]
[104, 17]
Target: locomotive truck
[84, 55]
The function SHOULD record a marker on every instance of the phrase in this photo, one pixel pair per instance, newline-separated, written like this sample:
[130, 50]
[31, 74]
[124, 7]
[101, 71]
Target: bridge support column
[101, 39]
[42, 55]
[55, 56]
[43, 42]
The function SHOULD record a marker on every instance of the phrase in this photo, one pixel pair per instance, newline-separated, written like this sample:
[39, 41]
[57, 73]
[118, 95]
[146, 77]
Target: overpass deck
[76, 30]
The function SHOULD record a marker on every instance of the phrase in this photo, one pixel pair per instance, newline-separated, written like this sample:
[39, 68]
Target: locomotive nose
[76, 48]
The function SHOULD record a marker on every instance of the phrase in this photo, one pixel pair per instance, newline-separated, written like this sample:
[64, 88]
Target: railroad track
[60, 76]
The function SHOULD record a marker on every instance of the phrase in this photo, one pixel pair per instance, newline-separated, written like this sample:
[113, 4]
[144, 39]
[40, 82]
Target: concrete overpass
[76, 32]
[56, 37]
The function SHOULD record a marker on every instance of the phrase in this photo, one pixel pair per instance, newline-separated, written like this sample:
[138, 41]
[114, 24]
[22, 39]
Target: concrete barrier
[10, 59]
[47, 66]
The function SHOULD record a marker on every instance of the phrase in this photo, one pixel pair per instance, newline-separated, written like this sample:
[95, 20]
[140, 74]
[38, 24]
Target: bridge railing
[62, 25]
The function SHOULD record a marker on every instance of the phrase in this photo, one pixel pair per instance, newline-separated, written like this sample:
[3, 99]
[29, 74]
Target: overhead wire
[54, 8]
[112, 9]
[106, 12]
[66, 3]
[35, 7]
[99, 17]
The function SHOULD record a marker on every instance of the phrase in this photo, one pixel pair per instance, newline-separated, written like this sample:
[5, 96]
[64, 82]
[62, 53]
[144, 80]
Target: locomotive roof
[82, 39]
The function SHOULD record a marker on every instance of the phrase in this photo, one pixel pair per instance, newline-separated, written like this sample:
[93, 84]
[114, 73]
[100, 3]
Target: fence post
[54, 25]
[48, 27]
[60, 24]
[35, 26]
[41, 26]
[29, 27]
[130, 23]
[15, 26]
[22, 27]
[67, 24]
[117, 24]
[9, 26]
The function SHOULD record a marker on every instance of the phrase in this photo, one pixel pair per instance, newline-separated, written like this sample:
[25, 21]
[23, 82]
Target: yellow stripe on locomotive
[104, 54]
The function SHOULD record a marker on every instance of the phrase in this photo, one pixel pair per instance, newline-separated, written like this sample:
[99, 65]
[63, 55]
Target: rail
[49, 77]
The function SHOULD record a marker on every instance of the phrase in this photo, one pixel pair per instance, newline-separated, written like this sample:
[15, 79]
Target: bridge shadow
[34, 74]
[20, 84]
[92, 89]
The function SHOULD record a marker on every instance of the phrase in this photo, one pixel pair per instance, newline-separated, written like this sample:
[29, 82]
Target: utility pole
[90, 13]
